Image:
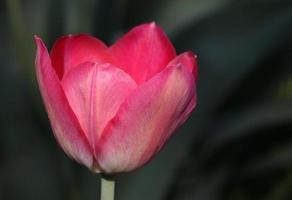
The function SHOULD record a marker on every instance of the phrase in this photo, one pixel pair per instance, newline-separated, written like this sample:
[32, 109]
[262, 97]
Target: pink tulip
[113, 108]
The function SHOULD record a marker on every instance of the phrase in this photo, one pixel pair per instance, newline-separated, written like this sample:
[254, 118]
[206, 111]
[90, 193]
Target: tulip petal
[95, 92]
[72, 50]
[146, 120]
[188, 59]
[143, 52]
[65, 125]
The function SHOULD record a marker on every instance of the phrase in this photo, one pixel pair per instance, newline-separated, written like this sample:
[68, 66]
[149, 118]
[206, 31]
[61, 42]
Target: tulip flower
[112, 108]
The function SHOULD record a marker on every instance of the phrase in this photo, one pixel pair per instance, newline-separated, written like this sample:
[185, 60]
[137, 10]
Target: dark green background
[237, 145]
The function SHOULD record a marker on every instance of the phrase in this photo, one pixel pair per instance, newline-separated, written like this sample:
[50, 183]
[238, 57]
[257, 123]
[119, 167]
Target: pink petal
[146, 120]
[72, 50]
[65, 126]
[143, 52]
[95, 92]
[188, 59]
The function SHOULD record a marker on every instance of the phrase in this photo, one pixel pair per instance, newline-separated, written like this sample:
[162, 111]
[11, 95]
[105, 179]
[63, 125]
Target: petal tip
[39, 43]
[191, 54]
[37, 39]
[152, 24]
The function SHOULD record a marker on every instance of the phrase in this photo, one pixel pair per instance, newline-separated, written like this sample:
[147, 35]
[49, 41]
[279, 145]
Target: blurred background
[237, 145]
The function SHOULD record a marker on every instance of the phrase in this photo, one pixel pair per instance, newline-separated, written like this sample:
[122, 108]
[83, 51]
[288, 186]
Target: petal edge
[65, 126]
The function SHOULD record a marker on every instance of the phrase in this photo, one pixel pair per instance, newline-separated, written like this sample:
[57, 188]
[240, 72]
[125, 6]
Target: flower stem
[107, 188]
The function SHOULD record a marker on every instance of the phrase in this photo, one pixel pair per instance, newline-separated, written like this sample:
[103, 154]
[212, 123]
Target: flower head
[113, 108]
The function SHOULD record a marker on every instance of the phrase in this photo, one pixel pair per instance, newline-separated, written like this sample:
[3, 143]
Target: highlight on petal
[72, 50]
[188, 59]
[143, 52]
[64, 123]
[95, 92]
[146, 120]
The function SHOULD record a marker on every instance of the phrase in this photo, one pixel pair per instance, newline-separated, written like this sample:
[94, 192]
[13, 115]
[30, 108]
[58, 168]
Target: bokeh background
[237, 145]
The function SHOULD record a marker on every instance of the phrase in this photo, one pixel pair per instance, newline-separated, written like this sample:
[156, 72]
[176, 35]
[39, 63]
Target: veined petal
[72, 50]
[95, 92]
[143, 52]
[64, 123]
[146, 120]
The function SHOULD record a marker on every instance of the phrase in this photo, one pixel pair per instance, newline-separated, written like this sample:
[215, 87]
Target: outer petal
[143, 52]
[65, 126]
[72, 50]
[95, 92]
[146, 120]
[188, 59]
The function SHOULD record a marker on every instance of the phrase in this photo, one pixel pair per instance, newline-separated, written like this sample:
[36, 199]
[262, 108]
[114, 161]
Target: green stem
[107, 188]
